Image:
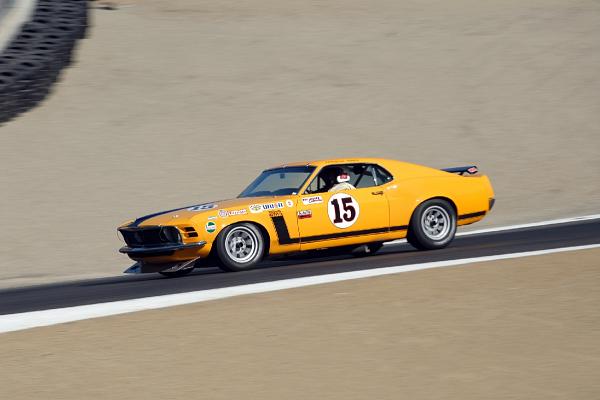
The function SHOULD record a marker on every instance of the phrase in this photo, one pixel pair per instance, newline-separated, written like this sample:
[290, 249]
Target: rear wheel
[240, 247]
[433, 225]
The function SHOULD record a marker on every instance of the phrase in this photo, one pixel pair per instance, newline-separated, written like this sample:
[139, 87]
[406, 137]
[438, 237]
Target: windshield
[278, 182]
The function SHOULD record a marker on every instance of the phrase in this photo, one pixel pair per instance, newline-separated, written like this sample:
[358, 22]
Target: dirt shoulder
[523, 328]
[174, 103]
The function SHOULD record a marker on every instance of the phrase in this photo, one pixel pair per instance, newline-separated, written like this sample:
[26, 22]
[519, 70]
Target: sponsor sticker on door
[312, 200]
[303, 214]
[343, 210]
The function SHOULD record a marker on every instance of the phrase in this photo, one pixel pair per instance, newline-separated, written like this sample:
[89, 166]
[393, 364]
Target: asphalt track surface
[127, 287]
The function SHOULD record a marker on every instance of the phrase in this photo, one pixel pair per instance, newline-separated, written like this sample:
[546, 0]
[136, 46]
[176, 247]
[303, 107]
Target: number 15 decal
[343, 210]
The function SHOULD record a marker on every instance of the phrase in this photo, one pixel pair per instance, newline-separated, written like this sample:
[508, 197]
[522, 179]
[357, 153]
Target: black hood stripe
[138, 221]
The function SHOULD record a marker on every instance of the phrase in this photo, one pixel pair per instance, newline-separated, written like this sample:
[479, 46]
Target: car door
[353, 216]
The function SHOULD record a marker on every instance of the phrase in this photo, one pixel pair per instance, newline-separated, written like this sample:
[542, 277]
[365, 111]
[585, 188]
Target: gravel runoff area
[174, 103]
[514, 329]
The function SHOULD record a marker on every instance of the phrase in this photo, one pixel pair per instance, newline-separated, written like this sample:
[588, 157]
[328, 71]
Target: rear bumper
[158, 251]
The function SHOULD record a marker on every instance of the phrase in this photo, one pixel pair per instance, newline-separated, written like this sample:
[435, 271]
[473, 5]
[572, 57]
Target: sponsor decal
[343, 210]
[272, 206]
[223, 213]
[289, 203]
[312, 200]
[275, 213]
[255, 208]
[238, 212]
[302, 214]
[210, 227]
[203, 207]
[212, 217]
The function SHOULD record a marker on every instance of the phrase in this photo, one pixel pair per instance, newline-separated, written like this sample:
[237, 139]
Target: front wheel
[240, 247]
[433, 225]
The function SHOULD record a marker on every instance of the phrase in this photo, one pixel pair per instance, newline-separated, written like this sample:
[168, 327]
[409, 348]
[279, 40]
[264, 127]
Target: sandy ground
[516, 329]
[173, 103]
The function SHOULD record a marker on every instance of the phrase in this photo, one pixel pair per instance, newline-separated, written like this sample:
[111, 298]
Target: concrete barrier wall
[31, 63]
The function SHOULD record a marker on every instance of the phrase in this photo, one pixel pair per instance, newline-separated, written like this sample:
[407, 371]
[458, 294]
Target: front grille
[151, 236]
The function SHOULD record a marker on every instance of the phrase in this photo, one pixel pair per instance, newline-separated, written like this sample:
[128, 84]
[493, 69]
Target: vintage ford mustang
[358, 203]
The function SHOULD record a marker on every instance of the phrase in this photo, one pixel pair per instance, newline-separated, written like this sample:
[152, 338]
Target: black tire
[32, 61]
[432, 225]
[177, 274]
[367, 249]
[240, 247]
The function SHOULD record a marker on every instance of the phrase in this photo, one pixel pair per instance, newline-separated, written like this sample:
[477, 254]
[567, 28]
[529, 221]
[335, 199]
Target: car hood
[182, 215]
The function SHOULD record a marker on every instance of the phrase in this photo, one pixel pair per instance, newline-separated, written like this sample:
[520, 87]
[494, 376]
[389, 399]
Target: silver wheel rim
[241, 244]
[436, 223]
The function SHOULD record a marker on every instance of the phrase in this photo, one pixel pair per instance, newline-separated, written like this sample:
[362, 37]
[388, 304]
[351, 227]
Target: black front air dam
[155, 251]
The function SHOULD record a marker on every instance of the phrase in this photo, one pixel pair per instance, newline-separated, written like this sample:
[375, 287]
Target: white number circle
[343, 210]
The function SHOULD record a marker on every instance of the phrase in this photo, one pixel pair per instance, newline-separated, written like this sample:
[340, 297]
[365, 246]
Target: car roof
[318, 163]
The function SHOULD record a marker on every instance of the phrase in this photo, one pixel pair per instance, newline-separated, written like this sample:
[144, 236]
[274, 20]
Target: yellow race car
[358, 203]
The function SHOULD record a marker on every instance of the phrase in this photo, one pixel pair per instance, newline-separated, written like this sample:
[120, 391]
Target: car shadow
[289, 260]
[326, 255]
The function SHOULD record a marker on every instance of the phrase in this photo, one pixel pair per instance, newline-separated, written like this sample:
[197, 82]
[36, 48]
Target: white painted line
[519, 226]
[15, 322]
[531, 225]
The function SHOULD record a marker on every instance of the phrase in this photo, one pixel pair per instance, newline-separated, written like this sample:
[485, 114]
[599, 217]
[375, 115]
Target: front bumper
[161, 250]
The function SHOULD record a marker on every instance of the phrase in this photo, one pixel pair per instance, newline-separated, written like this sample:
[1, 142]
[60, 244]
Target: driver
[336, 179]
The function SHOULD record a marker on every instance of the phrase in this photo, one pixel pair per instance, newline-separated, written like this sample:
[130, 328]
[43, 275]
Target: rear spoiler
[469, 169]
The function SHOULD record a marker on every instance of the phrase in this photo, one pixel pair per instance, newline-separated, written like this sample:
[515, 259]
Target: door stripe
[284, 238]
[282, 231]
[284, 235]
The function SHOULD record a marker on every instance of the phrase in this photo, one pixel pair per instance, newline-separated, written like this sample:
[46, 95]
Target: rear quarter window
[382, 175]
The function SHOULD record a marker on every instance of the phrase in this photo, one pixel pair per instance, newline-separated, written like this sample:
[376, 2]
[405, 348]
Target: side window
[358, 175]
[365, 176]
[316, 186]
[381, 175]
